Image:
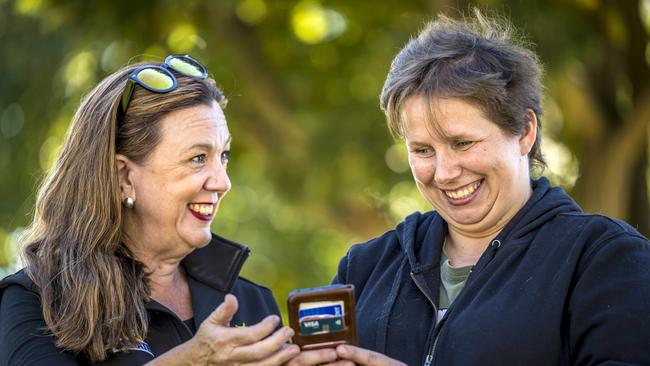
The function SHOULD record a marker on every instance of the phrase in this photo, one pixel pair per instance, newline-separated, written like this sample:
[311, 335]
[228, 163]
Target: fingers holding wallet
[365, 357]
[315, 357]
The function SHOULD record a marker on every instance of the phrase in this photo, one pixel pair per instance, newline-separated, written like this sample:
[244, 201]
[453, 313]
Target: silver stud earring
[128, 202]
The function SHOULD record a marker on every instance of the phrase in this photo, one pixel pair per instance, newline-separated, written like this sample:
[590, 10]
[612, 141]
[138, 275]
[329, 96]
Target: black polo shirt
[213, 271]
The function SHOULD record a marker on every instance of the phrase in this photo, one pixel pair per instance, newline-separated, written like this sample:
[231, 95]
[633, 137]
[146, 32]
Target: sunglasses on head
[159, 78]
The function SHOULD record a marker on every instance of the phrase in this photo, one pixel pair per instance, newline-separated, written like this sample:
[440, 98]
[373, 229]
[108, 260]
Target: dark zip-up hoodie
[554, 287]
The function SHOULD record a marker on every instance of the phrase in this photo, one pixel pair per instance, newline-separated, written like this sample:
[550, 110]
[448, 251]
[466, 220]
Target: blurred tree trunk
[611, 110]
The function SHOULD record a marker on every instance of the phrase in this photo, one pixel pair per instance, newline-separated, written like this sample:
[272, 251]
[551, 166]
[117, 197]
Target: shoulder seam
[622, 227]
[253, 283]
[603, 241]
[587, 216]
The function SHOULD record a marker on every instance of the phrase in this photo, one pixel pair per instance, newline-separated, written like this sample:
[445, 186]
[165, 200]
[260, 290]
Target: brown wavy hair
[479, 59]
[92, 288]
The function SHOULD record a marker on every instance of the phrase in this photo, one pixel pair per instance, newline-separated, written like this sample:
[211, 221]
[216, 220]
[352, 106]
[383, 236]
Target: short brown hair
[476, 59]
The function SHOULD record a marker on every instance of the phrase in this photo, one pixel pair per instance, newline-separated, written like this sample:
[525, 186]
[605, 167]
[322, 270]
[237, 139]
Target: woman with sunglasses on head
[507, 270]
[120, 264]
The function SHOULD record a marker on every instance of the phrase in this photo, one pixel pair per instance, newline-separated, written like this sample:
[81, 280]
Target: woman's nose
[447, 168]
[218, 181]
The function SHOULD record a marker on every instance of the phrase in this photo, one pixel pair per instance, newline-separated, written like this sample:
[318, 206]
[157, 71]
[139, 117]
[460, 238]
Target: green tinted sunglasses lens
[185, 67]
[159, 79]
[155, 79]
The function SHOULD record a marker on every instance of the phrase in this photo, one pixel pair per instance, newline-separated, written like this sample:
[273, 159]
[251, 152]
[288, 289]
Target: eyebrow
[416, 143]
[207, 146]
[448, 138]
[457, 136]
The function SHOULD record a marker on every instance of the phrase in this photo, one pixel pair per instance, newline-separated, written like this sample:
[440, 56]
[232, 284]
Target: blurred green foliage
[314, 169]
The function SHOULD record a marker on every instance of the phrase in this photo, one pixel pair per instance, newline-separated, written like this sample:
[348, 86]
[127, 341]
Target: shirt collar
[212, 272]
[217, 264]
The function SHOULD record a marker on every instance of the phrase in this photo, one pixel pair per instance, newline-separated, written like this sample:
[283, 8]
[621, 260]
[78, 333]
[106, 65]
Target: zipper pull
[427, 361]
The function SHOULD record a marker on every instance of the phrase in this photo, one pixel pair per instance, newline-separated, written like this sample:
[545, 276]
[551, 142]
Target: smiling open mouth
[463, 192]
[202, 211]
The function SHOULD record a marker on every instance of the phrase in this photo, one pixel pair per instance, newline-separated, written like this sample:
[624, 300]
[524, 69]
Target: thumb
[224, 313]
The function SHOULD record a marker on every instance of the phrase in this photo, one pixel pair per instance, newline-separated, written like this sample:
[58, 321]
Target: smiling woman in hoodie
[507, 270]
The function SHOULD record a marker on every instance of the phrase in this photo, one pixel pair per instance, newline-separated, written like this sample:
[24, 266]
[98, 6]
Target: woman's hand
[216, 343]
[346, 355]
[352, 355]
[323, 356]
[219, 344]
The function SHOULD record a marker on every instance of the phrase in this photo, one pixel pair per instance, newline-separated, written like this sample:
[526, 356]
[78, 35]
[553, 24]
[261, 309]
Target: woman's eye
[464, 144]
[422, 151]
[225, 156]
[199, 159]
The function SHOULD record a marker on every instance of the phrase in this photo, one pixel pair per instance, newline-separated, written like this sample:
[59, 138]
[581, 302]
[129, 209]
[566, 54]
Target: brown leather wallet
[322, 317]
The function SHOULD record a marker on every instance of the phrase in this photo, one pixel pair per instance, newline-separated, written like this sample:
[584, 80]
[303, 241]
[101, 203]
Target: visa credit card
[321, 317]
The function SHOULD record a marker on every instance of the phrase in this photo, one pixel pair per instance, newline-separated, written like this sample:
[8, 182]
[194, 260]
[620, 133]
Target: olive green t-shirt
[452, 280]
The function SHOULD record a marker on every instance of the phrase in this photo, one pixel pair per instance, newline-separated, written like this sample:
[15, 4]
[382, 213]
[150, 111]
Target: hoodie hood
[544, 204]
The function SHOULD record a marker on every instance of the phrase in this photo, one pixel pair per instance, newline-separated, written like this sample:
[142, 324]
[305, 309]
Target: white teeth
[463, 192]
[203, 209]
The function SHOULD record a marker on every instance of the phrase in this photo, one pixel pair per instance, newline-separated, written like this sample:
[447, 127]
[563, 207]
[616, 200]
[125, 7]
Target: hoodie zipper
[429, 357]
[494, 244]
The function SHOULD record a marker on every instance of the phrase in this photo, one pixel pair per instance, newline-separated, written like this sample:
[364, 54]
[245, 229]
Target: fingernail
[288, 332]
[342, 350]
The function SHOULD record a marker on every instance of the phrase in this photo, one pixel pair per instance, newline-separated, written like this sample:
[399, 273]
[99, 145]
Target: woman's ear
[125, 176]
[527, 140]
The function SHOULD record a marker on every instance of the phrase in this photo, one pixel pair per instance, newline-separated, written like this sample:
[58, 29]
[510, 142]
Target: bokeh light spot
[404, 199]
[644, 10]
[312, 23]
[616, 28]
[251, 11]
[28, 7]
[12, 121]
[80, 71]
[155, 51]
[114, 56]
[562, 165]
[49, 151]
[397, 158]
[182, 38]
